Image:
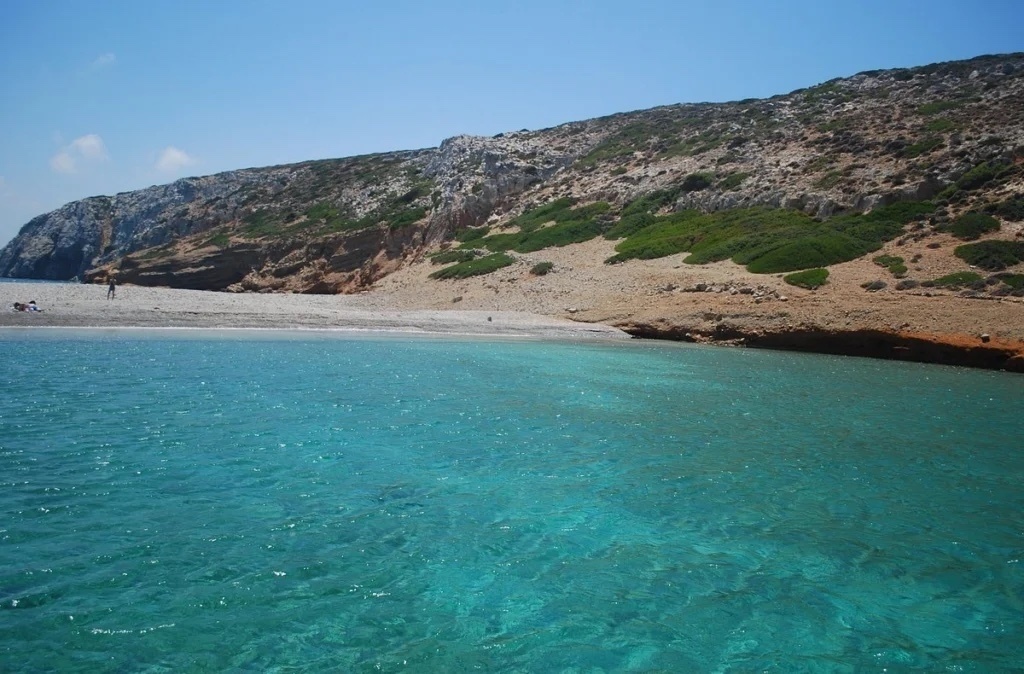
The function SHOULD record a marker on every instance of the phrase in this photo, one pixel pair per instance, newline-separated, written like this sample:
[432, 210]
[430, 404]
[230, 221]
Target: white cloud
[104, 60]
[62, 162]
[88, 148]
[173, 160]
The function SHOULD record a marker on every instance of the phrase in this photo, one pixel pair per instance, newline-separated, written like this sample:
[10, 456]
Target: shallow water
[187, 502]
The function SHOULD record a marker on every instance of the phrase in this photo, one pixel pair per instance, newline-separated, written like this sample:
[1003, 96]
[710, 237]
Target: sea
[246, 501]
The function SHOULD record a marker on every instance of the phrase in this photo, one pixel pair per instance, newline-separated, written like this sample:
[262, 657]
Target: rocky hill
[887, 167]
[335, 225]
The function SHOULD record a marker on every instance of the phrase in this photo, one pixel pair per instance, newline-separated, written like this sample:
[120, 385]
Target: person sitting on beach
[18, 306]
[32, 306]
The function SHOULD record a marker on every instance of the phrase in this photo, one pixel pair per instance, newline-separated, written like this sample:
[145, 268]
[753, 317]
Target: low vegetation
[1011, 209]
[260, 223]
[923, 146]
[971, 226]
[991, 255]
[829, 180]
[938, 106]
[220, 240]
[940, 125]
[158, 252]
[977, 177]
[764, 240]
[542, 268]
[955, 280]
[477, 267]
[472, 234]
[405, 217]
[568, 225]
[450, 256]
[810, 278]
[1015, 281]
[732, 181]
[893, 263]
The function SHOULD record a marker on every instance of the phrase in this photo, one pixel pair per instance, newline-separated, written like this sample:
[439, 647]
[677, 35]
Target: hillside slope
[686, 218]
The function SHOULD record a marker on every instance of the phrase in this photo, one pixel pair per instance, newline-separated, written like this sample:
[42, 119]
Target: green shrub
[630, 224]
[923, 146]
[971, 226]
[412, 195]
[732, 181]
[652, 202]
[542, 268]
[940, 125]
[324, 217]
[472, 234]
[902, 211]
[532, 219]
[625, 141]
[220, 240]
[765, 240]
[893, 263]
[261, 223]
[572, 225]
[618, 171]
[957, 279]
[1015, 281]
[977, 176]
[887, 260]
[808, 251]
[810, 279]
[406, 217]
[1011, 209]
[696, 182]
[450, 256]
[991, 255]
[829, 180]
[835, 125]
[938, 106]
[321, 211]
[873, 286]
[483, 265]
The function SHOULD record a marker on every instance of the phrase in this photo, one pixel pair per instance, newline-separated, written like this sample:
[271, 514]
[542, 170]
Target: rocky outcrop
[477, 175]
[964, 350]
[338, 225]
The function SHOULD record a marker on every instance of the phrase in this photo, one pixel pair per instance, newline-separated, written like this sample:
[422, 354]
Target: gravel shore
[78, 306]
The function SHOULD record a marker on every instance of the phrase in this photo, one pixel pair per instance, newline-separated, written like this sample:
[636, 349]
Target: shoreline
[85, 307]
[951, 350]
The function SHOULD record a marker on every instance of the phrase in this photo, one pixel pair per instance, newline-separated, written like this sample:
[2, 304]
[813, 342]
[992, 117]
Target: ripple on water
[448, 505]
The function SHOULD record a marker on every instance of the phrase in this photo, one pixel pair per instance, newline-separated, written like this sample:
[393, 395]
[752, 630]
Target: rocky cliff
[951, 134]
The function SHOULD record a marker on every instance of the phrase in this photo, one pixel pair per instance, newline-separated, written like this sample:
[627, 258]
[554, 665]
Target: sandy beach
[71, 305]
[584, 298]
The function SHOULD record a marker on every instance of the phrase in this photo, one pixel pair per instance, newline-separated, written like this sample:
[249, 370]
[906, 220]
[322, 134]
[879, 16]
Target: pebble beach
[70, 305]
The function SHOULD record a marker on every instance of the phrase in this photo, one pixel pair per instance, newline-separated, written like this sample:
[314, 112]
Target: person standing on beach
[112, 288]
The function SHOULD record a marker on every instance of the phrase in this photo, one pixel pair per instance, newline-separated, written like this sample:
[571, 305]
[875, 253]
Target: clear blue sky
[99, 97]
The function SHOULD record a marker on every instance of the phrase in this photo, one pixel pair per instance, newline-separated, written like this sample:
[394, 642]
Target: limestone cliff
[339, 225]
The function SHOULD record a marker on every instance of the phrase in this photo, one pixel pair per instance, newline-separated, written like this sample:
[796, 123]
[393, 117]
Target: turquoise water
[177, 502]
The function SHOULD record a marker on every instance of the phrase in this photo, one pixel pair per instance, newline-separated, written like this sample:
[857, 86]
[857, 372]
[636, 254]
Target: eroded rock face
[61, 244]
[338, 225]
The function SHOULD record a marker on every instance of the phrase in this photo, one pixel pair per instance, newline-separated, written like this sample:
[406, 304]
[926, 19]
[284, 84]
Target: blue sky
[103, 97]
